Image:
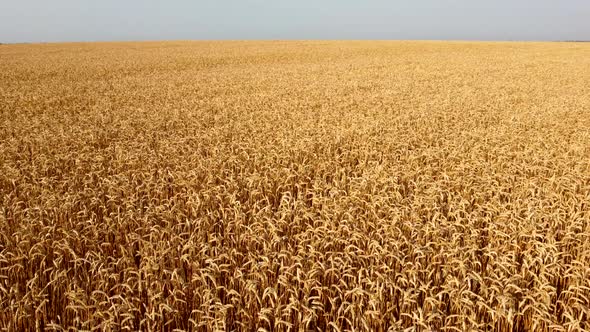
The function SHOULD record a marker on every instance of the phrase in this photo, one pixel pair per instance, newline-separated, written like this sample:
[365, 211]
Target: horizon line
[291, 40]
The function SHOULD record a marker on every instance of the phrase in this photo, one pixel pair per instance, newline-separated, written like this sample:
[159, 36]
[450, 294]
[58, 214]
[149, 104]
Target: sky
[104, 20]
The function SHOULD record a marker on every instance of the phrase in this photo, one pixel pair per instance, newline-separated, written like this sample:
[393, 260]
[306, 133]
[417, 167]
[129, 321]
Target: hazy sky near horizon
[86, 20]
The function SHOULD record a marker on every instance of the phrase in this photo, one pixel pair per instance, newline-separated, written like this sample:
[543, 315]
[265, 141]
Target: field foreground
[295, 186]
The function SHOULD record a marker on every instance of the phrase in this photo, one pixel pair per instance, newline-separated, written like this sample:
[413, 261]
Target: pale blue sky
[89, 20]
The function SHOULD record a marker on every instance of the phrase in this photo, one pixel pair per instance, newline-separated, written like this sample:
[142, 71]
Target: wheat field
[295, 186]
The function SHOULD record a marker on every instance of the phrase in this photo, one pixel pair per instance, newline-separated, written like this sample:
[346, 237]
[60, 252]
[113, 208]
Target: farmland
[300, 185]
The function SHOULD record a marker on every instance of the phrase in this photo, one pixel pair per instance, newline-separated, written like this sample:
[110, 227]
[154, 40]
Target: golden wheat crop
[292, 186]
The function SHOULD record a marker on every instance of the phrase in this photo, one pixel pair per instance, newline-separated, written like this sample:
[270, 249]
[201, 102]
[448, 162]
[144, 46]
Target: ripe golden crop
[291, 186]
